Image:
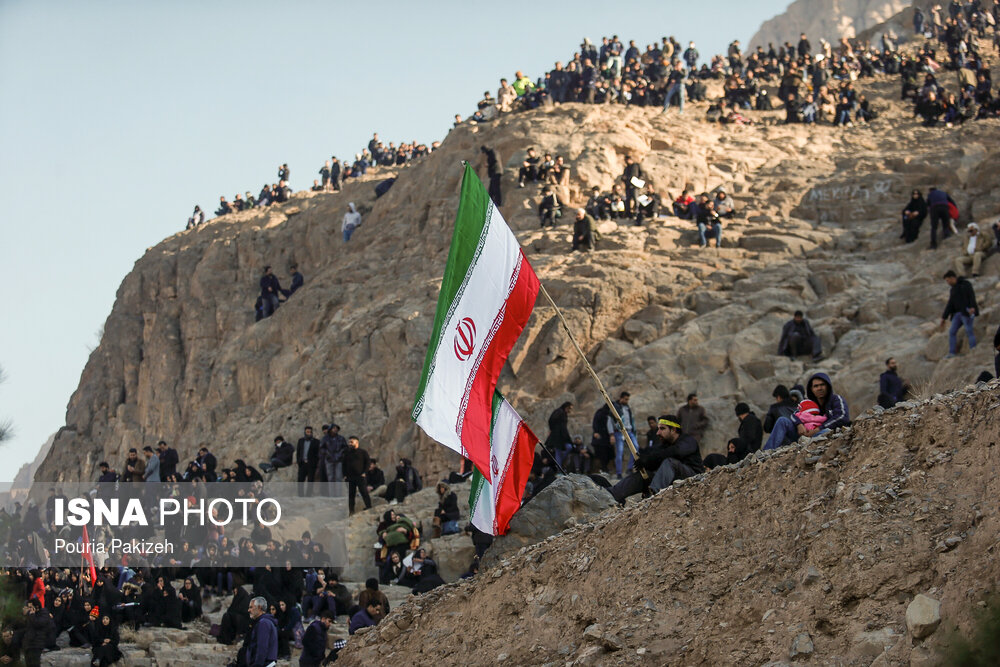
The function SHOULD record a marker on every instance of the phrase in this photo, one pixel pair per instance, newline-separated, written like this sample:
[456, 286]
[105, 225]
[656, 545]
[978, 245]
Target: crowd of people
[272, 608]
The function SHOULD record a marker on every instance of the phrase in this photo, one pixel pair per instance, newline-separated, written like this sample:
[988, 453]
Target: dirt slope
[830, 538]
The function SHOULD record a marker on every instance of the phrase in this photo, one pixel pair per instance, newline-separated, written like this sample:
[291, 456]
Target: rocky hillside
[182, 358]
[827, 19]
[867, 548]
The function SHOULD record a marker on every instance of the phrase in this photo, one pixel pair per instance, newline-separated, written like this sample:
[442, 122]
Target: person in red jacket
[37, 588]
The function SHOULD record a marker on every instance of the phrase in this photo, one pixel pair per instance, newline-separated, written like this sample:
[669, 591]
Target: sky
[116, 118]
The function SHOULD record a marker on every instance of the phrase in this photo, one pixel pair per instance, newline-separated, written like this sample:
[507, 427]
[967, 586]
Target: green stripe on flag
[466, 245]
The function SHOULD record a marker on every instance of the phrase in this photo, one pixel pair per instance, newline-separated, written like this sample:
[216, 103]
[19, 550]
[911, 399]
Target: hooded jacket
[835, 410]
[352, 218]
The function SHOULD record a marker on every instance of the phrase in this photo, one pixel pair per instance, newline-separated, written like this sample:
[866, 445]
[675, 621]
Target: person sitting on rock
[224, 207]
[783, 406]
[724, 205]
[281, 457]
[913, 216]
[676, 457]
[197, 218]
[891, 388]
[599, 205]
[529, 168]
[407, 481]
[584, 231]
[550, 208]
[647, 205]
[446, 515]
[819, 390]
[798, 338]
[973, 250]
[683, 206]
[736, 451]
[297, 281]
[708, 222]
[750, 431]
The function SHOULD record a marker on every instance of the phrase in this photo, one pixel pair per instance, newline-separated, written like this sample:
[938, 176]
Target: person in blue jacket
[261, 648]
[831, 405]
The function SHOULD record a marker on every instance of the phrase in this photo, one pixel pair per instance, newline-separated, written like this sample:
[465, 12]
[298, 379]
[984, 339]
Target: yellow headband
[665, 422]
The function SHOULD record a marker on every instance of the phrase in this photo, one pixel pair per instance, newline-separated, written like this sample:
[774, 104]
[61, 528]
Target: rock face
[182, 359]
[560, 505]
[710, 572]
[828, 19]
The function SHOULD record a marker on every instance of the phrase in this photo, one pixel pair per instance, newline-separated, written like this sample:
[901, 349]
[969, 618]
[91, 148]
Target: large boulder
[567, 500]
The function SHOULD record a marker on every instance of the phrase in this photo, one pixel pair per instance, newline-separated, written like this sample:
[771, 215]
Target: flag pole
[597, 380]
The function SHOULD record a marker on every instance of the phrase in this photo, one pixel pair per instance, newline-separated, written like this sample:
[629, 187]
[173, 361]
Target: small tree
[6, 425]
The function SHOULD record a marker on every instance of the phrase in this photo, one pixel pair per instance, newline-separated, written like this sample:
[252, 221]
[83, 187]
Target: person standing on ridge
[494, 169]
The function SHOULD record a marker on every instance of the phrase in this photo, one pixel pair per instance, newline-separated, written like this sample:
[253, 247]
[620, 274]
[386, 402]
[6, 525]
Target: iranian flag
[512, 445]
[487, 295]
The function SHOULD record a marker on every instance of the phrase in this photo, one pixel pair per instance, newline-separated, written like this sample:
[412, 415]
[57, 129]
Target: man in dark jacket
[833, 406]
[583, 231]
[676, 457]
[298, 280]
[270, 288]
[783, 407]
[559, 437]
[633, 172]
[168, 459]
[262, 641]
[798, 338]
[962, 309]
[281, 457]
[38, 627]
[891, 388]
[314, 641]
[365, 618]
[331, 455]
[494, 169]
[751, 431]
[307, 457]
[206, 463]
[355, 465]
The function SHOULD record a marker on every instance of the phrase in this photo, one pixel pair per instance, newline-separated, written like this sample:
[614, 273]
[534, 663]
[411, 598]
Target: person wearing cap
[677, 456]
[973, 251]
[352, 220]
[583, 231]
[751, 431]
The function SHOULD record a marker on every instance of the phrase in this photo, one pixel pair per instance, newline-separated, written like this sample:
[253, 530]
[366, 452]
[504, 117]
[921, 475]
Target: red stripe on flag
[88, 556]
[513, 480]
[479, 411]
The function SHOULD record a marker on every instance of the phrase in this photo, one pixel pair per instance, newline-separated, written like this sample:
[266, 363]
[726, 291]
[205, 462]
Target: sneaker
[950, 356]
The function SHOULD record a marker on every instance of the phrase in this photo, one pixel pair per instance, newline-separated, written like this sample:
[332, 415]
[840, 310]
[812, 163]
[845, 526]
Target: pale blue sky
[118, 117]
